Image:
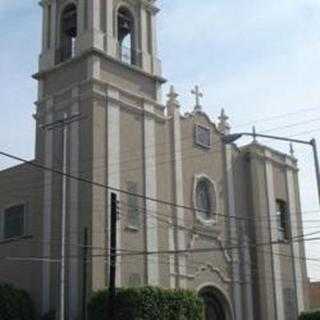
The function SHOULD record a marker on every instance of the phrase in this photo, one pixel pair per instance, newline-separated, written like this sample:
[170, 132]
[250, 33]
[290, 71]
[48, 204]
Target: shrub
[310, 315]
[15, 304]
[51, 315]
[147, 303]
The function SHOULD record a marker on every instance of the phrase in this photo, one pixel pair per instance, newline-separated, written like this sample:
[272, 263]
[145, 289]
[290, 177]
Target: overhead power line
[98, 184]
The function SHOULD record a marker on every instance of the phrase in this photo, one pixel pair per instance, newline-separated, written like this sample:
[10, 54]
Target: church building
[219, 219]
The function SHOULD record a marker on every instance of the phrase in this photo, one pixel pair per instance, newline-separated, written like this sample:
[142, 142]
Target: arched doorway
[216, 306]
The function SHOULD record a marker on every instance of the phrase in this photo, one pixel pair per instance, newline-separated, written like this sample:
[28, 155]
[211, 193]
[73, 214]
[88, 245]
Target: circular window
[205, 199]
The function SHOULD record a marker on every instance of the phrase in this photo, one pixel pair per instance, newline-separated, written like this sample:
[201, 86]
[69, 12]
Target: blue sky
[257, 59]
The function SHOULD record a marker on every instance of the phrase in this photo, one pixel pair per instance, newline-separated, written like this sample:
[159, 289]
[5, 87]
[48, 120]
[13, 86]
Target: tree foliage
[147, 303]
[311, 315]
[15, 304]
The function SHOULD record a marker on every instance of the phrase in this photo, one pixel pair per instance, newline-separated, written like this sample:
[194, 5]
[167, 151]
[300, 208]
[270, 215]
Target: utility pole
[63, 123]
[316, 161]
[84, 291]
[63, 222]
[113, 256]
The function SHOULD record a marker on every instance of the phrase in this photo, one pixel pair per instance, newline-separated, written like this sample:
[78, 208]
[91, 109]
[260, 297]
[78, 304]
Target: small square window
[203, 136]
[14, 222]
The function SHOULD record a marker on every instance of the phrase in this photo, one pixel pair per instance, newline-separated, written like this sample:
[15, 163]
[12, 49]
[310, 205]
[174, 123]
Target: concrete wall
[23, 185]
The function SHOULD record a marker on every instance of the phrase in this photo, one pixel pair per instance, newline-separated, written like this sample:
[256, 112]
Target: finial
[172, 103]
[196, 92]
[254, 134]
[172, 95]
[224, 126]
[291, 150]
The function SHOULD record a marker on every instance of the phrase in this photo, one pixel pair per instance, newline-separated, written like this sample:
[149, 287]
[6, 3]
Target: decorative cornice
[101, 96]
[276, 162]
[41, 74]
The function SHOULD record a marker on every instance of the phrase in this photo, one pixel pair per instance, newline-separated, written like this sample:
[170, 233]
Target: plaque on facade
[203, 136]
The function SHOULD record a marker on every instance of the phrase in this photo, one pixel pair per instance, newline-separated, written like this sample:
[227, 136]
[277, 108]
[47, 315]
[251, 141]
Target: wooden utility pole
[113, 256]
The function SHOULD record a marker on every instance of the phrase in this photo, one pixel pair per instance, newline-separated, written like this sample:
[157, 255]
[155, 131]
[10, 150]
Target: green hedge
[148, 304]
[311, 315]
[15, 304]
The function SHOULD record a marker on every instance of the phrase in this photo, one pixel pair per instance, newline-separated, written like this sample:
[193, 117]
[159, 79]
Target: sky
[260, 60]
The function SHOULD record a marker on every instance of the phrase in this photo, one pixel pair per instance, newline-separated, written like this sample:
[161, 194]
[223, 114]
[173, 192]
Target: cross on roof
[196, 92]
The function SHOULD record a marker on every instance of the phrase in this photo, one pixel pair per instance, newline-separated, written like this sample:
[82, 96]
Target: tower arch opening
[215, 304]
[68, 32]
[126, 35]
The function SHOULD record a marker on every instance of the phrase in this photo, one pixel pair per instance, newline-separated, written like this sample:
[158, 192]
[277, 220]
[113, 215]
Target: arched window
[205, 199]
[68, 32]
[126, 36]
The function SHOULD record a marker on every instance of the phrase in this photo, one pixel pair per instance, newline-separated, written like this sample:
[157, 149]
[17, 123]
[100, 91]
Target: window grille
[282, 220]
[14, 222]
[133, 210]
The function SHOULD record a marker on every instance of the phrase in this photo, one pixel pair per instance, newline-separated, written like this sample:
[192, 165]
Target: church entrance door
[215, 305]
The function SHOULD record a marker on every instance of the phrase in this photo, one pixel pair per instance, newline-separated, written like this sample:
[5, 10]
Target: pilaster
[47, 56]
[235, 240]
[275, 248]
[47, 210]
[174, 111]
[111, 41]
[74, 237]
[113, 128]
[295, 246]
[151, 192]
[99, 208]
[145, 55]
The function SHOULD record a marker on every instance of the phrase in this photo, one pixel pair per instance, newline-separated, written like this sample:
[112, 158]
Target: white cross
[198, 95]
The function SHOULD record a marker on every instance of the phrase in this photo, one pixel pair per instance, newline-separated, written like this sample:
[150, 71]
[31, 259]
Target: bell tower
[99, 61]
[123, 30]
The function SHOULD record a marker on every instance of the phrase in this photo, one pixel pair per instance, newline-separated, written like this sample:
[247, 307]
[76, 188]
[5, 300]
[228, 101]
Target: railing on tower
[128, 55]
[66, 51]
